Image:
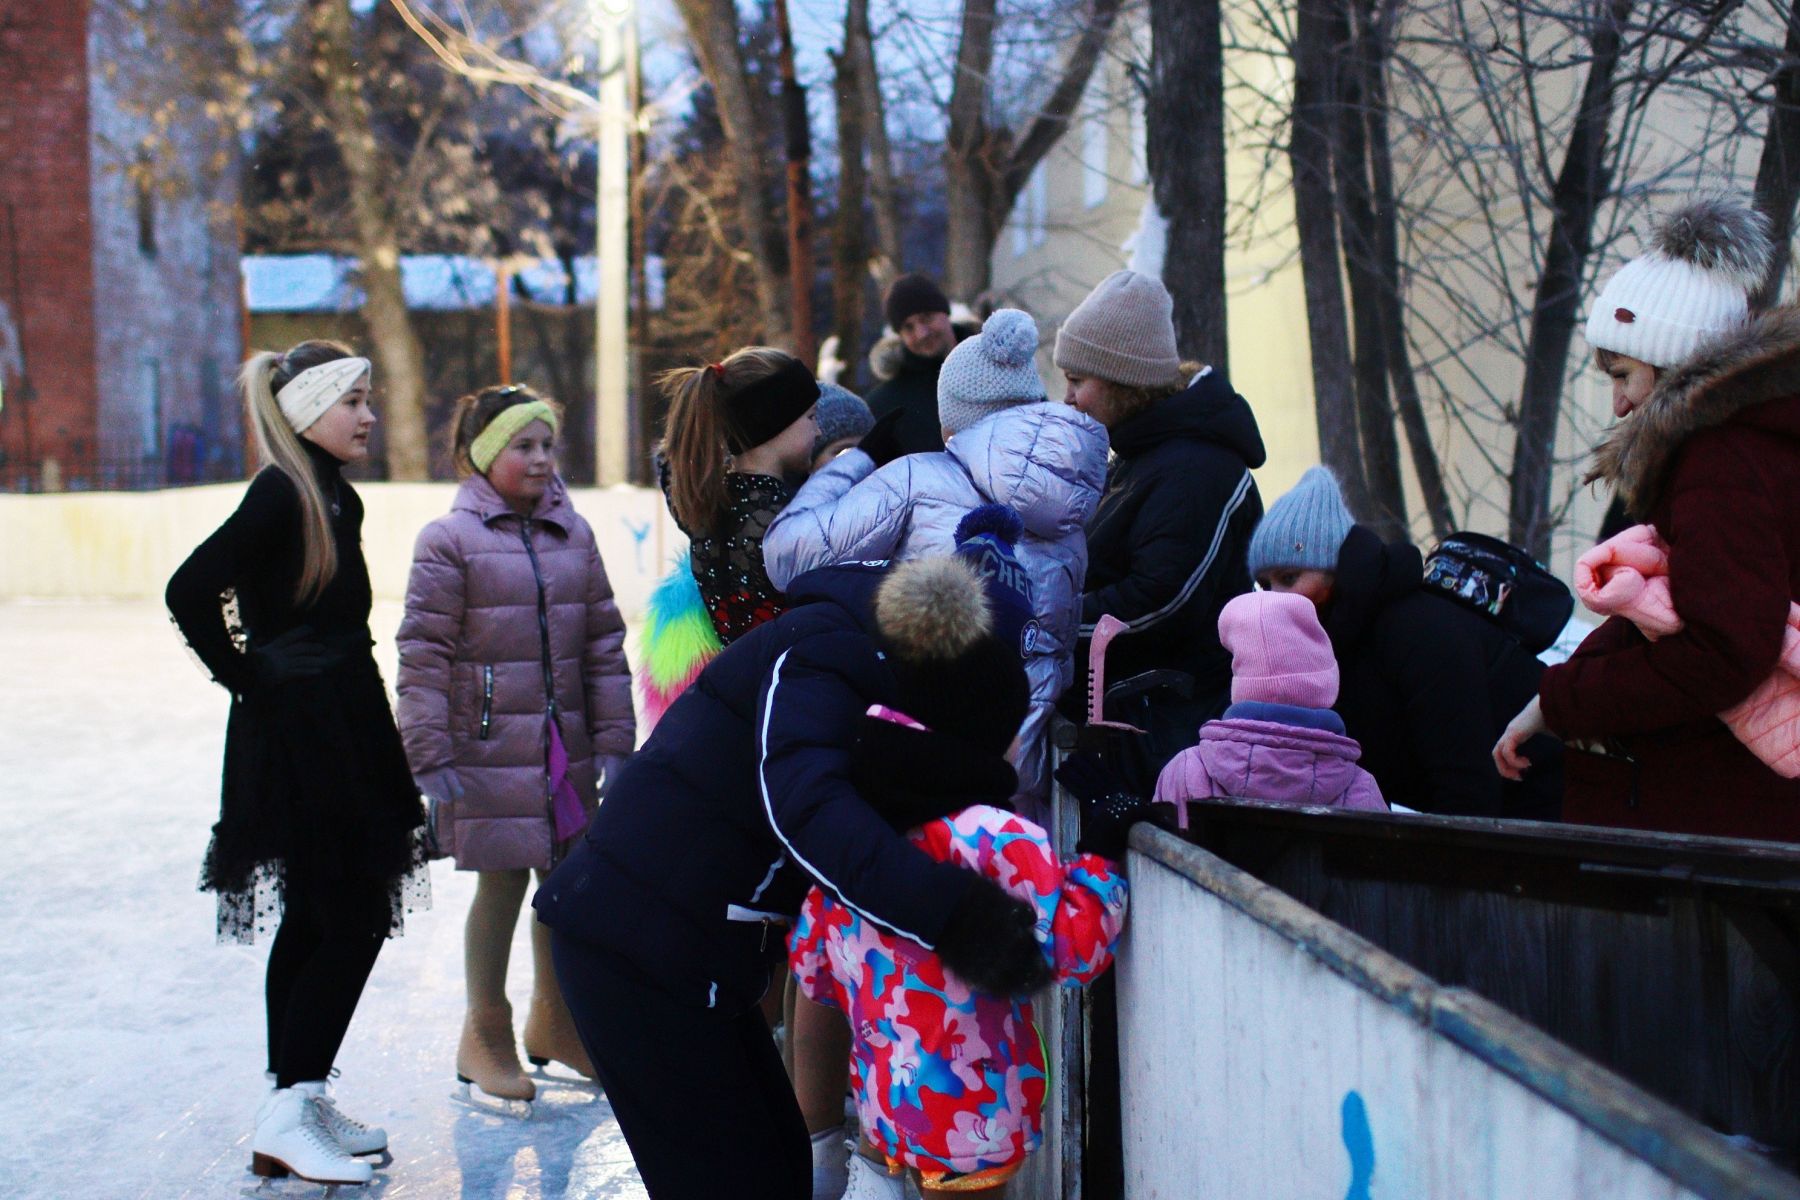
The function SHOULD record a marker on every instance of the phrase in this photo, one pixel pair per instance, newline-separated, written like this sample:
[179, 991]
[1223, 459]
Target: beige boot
[550, 1034]
[487, 1057]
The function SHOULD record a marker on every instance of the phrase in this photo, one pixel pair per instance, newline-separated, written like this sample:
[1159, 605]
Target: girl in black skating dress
[320, 826]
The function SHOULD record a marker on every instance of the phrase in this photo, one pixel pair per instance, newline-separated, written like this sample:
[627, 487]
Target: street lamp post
[612, 266]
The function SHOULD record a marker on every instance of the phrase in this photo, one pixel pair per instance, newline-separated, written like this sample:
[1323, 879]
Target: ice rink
[131, 1044]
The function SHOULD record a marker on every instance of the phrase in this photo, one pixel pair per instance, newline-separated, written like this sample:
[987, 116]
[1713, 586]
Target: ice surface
[131, 1045]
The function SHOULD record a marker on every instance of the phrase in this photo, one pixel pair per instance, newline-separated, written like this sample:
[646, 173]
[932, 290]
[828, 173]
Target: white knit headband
[306, 397]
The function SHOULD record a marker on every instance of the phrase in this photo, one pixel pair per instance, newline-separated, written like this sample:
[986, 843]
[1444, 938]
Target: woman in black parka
[318, 811]
[1166, 544]
[670, 911]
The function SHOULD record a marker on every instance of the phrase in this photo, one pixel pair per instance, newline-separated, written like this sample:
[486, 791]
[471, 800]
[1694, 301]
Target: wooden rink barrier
[1267, 1051]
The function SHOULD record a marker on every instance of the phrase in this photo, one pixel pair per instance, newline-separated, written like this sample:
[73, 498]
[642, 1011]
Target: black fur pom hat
[1691, 286]
[958, 676]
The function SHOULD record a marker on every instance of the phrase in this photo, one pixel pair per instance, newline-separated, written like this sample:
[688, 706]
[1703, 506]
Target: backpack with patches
[1504, 584]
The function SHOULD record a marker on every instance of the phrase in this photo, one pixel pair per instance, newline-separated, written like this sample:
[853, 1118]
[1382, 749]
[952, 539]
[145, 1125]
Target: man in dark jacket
[907, 362]
[670, 911]
[1426, 684]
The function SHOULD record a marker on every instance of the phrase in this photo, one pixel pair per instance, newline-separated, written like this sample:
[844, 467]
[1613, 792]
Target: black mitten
[1106, 823]
[1109, 808]
[296, 654]
[882, 443]
[990, 945]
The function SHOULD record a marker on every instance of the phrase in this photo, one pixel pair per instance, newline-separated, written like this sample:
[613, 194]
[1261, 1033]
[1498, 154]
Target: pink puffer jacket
[471, 682]
[1243, 759]
[1628, 576]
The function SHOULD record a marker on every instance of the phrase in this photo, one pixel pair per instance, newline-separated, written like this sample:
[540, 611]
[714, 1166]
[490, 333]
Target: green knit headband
[503, 428]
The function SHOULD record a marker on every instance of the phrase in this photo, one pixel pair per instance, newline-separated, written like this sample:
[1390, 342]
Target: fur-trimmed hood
[1750, 377]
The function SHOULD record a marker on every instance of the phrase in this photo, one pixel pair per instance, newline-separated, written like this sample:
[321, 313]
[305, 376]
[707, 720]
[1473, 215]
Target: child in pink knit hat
[1279, 742]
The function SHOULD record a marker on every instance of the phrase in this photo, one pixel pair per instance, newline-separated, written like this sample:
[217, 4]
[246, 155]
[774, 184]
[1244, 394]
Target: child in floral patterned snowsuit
[949, 1082]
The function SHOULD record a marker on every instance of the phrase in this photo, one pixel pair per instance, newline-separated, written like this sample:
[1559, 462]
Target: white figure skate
[292, 1139]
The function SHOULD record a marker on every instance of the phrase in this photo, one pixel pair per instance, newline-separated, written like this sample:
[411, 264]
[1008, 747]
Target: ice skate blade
[276, 1178]
[470, 1096]
[540, 1072]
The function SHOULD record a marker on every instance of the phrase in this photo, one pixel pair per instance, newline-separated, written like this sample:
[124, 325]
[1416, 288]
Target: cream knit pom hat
[1124, 333]
[1691, 286]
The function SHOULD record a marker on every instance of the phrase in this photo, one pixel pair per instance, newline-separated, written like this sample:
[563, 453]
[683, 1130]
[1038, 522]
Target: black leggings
[331, 931]
[701, 1097]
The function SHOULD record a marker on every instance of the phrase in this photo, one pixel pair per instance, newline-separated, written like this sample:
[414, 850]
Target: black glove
[296, 654]
[990, 945]
[1109, 808]
[882, 443]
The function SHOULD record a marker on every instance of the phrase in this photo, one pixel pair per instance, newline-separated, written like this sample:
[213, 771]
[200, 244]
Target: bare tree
[370, 185]
[884, 189]
[1185, 151]
[745, 110]
[1778, 173]
[986, 162]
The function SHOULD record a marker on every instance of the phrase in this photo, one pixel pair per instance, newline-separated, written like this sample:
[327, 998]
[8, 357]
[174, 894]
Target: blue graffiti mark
[1360, 1143]
[639, 534]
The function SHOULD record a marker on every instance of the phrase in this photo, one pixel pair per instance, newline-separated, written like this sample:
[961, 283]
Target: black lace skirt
[315, 775]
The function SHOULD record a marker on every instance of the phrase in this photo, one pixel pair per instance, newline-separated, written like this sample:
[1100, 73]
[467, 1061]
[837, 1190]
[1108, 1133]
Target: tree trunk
[884, 191]
[1185, 129]
[367, 173]
[1580, 185]
[797, 139]
[745, 113]
[1778, 174]
[1387, 247]
[986, 168]
[1321, 271]
[849, 239]
[1356, 224]
[969, 153]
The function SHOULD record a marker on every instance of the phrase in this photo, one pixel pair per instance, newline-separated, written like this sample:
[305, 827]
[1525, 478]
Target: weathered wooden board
[1268, 1051]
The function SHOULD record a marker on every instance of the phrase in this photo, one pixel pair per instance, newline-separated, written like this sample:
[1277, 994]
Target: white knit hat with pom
[1690, 287]
[995, 369]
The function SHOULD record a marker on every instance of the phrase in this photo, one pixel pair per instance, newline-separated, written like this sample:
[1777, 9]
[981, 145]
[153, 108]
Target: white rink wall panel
[124, 545]
[1267, 1051]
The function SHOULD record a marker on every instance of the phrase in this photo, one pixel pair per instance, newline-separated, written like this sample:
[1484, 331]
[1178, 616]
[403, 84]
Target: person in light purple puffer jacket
[510, 624]
[1004, 443]
[1279, 741]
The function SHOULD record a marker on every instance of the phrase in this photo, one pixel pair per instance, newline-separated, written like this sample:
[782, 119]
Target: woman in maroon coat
[1709, 453]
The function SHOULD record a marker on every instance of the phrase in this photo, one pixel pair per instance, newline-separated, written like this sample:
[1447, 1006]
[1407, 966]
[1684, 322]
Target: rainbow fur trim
[677, 641]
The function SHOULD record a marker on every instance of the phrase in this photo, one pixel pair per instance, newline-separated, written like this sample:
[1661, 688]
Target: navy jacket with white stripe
[741, 800]
[1167, 545]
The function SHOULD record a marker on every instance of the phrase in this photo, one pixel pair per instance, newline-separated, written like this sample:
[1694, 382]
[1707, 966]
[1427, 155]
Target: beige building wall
[1075, 224]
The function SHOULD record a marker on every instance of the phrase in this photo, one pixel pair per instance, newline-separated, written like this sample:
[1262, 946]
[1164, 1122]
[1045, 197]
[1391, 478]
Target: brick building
[120, 316]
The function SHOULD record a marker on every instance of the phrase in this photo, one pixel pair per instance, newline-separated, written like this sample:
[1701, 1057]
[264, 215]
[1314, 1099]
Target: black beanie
[910, 295]
[958, 675]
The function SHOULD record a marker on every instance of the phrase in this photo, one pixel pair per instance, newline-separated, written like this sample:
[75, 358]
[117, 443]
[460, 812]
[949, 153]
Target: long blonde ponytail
[264, 374]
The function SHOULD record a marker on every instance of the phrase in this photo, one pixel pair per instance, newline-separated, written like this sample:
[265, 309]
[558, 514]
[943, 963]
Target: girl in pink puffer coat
[1279, 741]
[515, 700]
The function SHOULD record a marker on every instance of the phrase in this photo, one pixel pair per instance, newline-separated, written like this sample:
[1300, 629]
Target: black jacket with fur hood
[907, 382]
[1712, 459]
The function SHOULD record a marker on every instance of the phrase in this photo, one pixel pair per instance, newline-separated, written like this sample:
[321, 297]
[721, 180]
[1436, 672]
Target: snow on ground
[131, 1044]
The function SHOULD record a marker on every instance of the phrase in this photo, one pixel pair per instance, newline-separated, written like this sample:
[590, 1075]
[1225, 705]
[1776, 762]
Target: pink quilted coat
[471, 683]
[1628, 576]
[1243, 759]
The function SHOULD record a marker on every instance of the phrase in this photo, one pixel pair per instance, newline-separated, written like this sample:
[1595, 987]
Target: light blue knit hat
[1304, 529]
[995, 369]
[840, 414]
